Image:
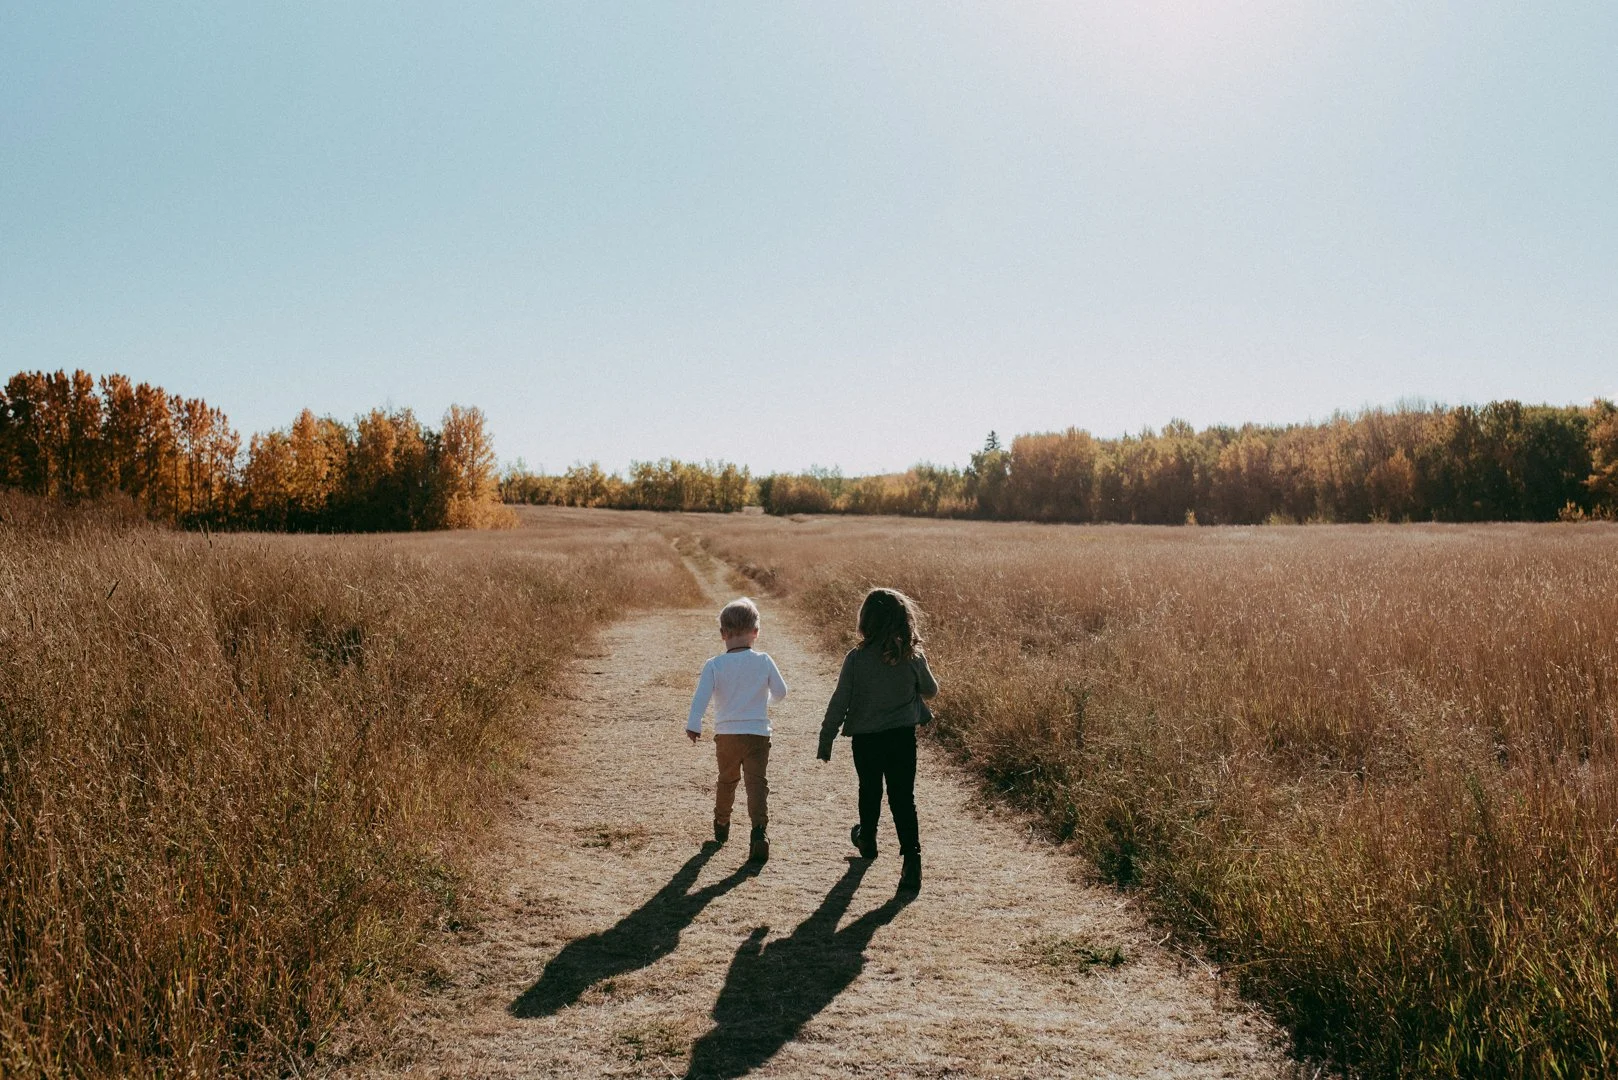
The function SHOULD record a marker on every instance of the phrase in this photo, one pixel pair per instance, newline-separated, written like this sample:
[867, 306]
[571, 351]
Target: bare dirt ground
[616, 942]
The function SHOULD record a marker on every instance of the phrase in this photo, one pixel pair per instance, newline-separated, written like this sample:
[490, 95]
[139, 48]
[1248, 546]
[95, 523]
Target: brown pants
[738, 755]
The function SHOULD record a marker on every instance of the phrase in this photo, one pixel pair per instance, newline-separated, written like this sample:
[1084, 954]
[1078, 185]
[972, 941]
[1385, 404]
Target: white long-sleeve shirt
[741, 683]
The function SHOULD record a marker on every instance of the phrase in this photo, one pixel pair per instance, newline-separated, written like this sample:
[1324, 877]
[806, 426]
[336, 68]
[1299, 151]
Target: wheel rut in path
[612, 941]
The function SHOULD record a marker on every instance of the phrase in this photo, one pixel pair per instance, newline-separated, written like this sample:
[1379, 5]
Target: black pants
[888, 756]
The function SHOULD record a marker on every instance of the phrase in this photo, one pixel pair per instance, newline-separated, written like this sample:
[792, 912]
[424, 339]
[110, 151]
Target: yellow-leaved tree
[467, 482]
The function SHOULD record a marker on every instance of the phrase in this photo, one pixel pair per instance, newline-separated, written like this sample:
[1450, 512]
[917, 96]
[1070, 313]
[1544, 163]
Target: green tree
[986, 477]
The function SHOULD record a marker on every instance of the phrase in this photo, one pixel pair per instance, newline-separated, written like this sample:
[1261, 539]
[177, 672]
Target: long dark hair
[889, 623]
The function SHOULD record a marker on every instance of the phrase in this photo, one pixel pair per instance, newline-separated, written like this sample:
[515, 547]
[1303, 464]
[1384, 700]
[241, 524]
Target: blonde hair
[739, 616]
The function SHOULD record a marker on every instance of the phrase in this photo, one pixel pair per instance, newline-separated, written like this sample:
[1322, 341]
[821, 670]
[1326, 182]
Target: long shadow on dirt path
[772, 990]
[638, 940]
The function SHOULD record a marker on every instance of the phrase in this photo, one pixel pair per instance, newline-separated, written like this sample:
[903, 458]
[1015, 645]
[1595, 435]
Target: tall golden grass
[1373, 769]
[235, 772]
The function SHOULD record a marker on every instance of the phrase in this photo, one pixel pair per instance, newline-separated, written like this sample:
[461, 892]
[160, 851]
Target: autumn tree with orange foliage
[387, 472]
[179, 460]
[1603, 480]
[466, 485]
[1504, 461]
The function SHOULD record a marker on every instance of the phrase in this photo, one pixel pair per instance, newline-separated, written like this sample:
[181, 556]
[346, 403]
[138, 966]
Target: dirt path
[619, 944]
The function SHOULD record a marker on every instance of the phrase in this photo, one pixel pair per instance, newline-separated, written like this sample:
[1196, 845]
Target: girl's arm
[926, 685]
[837, 708]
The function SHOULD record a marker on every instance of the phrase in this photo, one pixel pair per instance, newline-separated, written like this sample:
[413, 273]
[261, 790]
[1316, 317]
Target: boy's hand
[692, 735]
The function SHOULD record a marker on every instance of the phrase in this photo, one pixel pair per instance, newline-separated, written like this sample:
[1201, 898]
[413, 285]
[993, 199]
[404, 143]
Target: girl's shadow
[640, 939]
[772, 990]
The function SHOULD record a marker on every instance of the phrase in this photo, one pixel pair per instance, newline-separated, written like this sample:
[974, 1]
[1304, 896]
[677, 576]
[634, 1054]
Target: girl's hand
[692, 735]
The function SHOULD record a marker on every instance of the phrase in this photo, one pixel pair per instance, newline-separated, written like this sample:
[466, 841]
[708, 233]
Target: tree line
[722, 487]
[74, 437]
[669, 484]
[924, 490]
[1504, 461]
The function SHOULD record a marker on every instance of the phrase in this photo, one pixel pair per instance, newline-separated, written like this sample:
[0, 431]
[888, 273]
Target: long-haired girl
[879, 701]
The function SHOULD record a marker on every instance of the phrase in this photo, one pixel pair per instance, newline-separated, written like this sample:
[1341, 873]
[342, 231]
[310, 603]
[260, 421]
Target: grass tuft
[1073, 954]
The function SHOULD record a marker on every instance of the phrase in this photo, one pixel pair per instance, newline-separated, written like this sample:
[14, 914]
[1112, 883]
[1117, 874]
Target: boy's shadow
[639, 939]
[772, 990]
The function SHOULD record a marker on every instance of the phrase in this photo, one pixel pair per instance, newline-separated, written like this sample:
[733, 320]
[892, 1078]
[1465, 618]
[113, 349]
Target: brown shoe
[758, 847]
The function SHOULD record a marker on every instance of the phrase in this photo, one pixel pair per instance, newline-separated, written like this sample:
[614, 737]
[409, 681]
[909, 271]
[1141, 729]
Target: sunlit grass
[236, 773]
[1372, 769]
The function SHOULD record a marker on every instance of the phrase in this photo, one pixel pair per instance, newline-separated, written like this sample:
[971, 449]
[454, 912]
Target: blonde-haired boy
[741, 683]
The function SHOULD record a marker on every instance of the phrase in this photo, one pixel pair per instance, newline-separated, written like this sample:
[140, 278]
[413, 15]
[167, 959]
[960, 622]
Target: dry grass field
[238, 774]
[608, 936]
[1372, 769]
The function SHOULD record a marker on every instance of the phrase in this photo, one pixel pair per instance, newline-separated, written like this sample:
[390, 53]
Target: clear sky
[787, 234]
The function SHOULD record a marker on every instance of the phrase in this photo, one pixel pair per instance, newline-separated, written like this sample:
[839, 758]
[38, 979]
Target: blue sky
[853, 234]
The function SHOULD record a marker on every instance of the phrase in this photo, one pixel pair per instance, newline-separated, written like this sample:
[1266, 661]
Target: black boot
[910, 876]
[867, 848]
[758, 847]
[721, 833]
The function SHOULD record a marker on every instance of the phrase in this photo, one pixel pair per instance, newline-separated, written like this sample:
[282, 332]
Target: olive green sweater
[873, 695]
